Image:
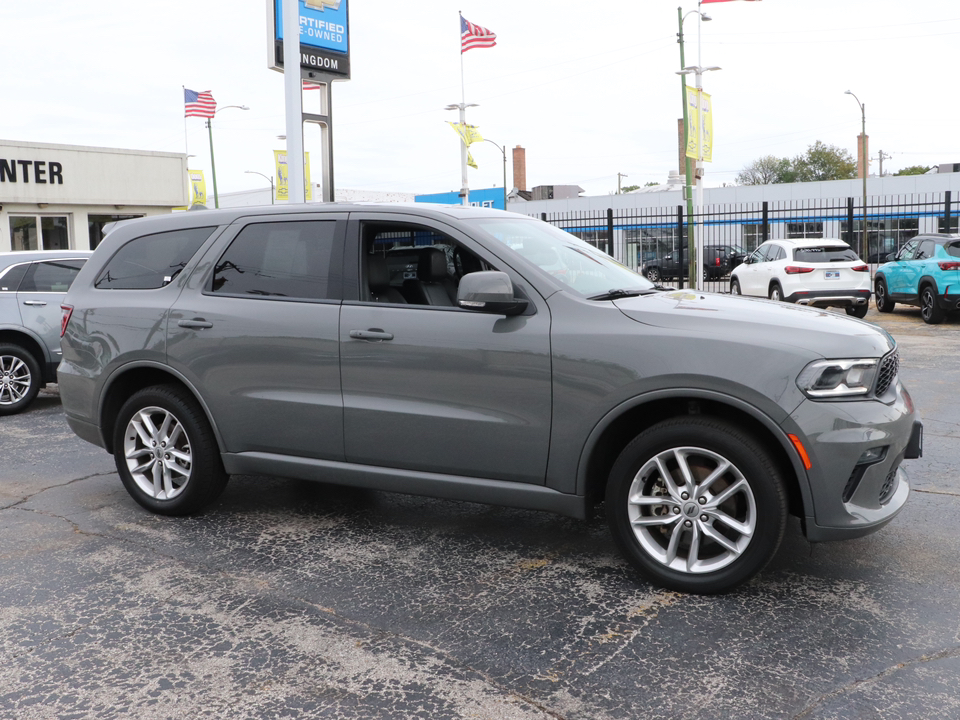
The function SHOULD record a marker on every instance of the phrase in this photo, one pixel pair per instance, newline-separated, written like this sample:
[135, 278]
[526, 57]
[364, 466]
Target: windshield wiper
[619, 293]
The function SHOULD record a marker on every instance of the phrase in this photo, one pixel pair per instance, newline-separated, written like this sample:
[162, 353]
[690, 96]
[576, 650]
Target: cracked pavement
[290, 599]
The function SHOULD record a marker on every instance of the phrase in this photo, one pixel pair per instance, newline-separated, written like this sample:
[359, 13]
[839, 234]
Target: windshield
[576, 264]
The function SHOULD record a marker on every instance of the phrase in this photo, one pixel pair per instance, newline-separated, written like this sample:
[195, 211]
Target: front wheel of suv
[882, 296]
[19, 378]
[735, 287]
[653, 275]
[166, 452]
[696, 505]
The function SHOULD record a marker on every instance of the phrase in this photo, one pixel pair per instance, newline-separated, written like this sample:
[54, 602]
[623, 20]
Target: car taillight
[66, 312]
[717, 262]
[796, 270]
[861, 268]
[949, 265]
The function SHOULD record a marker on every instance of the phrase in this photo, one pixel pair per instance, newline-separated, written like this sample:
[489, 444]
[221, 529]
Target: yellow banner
[696, 98]
[198, 188]
[468, 133]
[471, 162]
[283, 191]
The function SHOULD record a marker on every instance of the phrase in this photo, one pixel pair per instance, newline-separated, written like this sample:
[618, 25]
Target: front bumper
[830, 298]
[857, 484]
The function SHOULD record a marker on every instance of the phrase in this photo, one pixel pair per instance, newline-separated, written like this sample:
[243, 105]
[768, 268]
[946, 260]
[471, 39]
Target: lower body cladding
[830, 298]
[856, 448]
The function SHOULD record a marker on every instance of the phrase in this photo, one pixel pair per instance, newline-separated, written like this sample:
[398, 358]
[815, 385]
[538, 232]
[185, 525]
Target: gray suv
[32, 286]
[501, 361]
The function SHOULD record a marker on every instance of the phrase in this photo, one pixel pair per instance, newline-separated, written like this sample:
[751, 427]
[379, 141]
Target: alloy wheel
[15, 379]
[157, 453]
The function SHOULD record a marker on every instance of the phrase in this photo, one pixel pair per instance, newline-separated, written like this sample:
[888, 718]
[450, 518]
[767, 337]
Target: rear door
[440, 389]
[256, 331]
[39, 296]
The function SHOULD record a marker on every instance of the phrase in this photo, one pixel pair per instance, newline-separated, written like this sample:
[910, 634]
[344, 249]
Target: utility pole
[883, 156]
[620, 175]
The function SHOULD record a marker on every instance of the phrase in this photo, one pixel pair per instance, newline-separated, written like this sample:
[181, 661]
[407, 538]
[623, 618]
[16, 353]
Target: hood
[759, 322]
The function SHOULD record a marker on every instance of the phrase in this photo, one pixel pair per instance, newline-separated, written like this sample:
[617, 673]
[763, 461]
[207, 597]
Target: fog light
[873, 455]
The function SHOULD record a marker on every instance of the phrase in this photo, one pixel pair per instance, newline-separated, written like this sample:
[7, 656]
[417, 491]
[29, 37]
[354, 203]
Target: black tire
[930, 311]
[178, 479]
[653, 275]
[661, 549]
[20, 378]
[776, 293]
[857, 311]
[735, 287]
[882, 297]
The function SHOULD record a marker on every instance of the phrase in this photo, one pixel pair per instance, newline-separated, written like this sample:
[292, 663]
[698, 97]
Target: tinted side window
[906, 252]
[152, 261]
[10, 280]
[278, 259]
[952, 248]
[824, 254]
[51, 276]
[925, 250]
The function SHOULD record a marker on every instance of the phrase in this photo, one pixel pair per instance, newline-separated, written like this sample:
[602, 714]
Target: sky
[589, 89]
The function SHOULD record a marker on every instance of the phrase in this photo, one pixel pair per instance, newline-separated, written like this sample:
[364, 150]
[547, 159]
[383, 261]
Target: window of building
[152, 261]
[803, 230]
[752, 237]
[885, 236]
[278, 260]
[95, 225]
[39, 232]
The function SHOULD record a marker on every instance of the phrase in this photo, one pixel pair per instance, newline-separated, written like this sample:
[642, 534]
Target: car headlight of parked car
[838, 378]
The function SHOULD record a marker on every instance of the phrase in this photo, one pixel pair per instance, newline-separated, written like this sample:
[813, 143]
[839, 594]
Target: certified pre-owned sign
[324, 36]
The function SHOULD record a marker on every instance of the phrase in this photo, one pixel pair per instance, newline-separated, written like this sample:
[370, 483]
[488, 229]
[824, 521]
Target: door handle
[38, 303]
[196, 324]
[371, 334]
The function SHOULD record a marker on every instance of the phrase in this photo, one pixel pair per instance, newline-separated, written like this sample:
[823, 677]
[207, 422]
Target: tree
[629, 188]
[915, 170]
[766, 171]
[824, 162]
[819, 162]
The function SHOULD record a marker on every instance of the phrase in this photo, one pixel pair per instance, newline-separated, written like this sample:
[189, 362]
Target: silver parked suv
[32, 286]
[485, 356]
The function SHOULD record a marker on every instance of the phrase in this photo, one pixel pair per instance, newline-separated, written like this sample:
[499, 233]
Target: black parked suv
[718, 261]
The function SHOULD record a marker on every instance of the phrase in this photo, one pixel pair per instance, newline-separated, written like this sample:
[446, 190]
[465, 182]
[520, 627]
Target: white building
[59, 196]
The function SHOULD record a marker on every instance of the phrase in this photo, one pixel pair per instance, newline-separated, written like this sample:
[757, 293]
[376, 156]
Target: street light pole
[864, 243]
[213, 166]
[504, 151]
[254, 172]
[464, 187]
[688, 188]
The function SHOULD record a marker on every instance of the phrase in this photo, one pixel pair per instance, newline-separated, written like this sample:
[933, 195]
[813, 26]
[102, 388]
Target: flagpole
[464, 186]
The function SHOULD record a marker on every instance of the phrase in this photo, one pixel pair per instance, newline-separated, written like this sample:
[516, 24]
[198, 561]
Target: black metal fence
[644, 237]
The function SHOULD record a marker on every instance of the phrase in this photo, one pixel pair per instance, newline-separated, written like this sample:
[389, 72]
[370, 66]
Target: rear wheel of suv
[653, 274]
[857, 311]
[19, 378]
[166, 453]
[776, 293]
[882, 297]
[931, 312]
[696, 505]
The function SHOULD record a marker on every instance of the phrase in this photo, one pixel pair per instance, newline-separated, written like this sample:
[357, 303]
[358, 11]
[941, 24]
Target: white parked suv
[824, 272]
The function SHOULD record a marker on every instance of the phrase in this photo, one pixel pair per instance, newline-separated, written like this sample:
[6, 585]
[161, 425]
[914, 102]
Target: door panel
[453, 391]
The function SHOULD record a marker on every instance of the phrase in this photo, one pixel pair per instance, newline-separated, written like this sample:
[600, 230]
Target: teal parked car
[925, 273]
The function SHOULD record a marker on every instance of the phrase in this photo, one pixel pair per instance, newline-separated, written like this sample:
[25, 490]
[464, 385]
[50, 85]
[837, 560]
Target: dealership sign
[324, 36]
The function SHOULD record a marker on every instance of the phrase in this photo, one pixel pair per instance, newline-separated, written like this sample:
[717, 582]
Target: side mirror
[489, 292]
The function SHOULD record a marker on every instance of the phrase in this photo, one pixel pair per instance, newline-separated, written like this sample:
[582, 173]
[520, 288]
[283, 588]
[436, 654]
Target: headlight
[838, 378]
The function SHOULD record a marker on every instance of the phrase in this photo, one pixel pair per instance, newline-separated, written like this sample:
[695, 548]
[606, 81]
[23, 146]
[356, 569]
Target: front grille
[889, 367]
[889, 485]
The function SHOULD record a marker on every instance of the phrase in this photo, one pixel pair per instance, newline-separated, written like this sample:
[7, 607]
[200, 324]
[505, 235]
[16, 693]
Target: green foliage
[915, 170]
[819, 162]
[630, 188]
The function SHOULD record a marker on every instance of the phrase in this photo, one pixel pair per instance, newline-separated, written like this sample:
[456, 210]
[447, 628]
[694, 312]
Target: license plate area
[831, 274]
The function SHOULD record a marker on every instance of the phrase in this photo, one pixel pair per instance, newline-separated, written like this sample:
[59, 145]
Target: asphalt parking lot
[292, 599]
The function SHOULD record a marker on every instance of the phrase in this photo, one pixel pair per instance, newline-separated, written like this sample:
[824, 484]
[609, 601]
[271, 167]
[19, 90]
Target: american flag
[199, 104]
[474, 36]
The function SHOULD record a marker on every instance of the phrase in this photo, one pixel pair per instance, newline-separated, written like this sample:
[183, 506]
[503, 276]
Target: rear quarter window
[824, 254]
[953, 248]
[151, 261]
